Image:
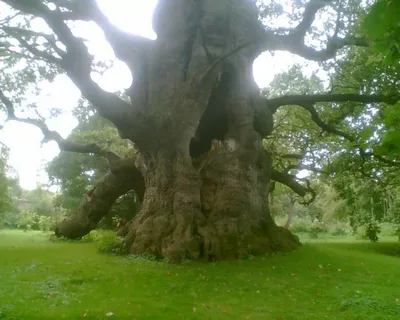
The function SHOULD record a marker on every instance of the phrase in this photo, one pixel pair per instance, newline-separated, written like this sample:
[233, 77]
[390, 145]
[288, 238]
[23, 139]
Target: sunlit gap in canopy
[135, 16]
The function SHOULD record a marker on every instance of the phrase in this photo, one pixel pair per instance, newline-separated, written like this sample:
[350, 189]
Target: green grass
[40, 279]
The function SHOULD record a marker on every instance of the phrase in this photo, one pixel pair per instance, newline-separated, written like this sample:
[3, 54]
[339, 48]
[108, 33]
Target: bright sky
[27, 155]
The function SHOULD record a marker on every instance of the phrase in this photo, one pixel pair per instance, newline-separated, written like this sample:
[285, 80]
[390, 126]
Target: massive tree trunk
[206, 173]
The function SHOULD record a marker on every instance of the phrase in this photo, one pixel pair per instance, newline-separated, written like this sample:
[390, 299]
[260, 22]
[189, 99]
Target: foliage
[107, 242]
[38, 200]
[350, 280]
[6, 185]
[382, 28]
[28, 221]
[372, 230]
[76, 174]
[339, 231]
[345, 181]
[317, 228]
[300, 225]
[45, 223]
[9, 220]
[397, 233]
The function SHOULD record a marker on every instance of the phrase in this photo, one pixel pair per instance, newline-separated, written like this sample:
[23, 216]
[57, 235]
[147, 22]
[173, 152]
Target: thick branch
[307, 102]
[274, 103]
[220, 59]
[50, 135]
[290, 156]
[97, 205]
[294, 43]
[130, 48]
[304, 167]
[288, 180]
[19, 33]
[309, 16]
[77, 62]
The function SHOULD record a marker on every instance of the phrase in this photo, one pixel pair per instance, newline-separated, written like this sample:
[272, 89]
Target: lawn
[40, 279]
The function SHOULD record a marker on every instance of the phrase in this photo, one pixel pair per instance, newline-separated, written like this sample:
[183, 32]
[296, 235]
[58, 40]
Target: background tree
[195, 115]
[6, 187]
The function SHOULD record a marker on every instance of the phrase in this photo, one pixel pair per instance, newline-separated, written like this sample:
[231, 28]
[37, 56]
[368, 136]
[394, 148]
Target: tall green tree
[194, 114]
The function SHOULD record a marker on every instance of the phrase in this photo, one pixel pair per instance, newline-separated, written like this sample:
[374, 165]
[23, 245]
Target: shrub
[372, 230]
[388, 229]
[92, 236]
[45, 223]
[28, 221]
[340, 229]
[9, 220]
[300, 225]
[316, 228]
[54, 238]
[107, 242]
[397, 230]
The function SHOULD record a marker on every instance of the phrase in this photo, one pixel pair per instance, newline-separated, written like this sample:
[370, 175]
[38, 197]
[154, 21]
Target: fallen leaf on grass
[109, 314]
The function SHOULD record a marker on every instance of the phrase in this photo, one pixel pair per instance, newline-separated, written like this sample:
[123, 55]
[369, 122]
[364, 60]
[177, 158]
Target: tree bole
[205, 173]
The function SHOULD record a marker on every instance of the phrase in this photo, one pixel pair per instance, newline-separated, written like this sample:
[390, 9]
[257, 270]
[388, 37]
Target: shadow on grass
[389, 249]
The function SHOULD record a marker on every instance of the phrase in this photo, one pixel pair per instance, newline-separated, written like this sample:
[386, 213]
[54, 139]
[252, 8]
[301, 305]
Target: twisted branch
[77, 62]
[50, 135]
[293, 41]
[307, 102]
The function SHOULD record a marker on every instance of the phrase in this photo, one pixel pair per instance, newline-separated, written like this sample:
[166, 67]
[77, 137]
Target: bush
[45, 223]
[28, 221]
[316, 228]
[340, 229]
[92, 236]
[300, 225]
[397, 230]
[9, 220]
[107, 242]
[388, 229]
[372, 230]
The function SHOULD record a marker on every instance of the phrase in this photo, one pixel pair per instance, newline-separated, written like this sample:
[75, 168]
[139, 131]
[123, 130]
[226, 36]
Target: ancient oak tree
[194, 113]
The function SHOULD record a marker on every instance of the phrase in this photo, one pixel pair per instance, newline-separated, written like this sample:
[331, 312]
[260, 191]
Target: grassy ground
[44, 280]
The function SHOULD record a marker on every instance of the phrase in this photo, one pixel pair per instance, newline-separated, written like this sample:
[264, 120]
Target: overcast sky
[27, 155]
